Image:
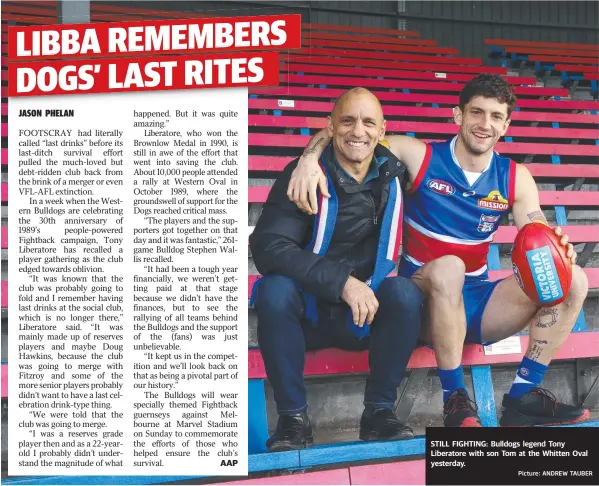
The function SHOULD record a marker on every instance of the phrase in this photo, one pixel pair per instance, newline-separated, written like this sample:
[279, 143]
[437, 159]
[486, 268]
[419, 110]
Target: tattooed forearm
[537, 216]
[311, 150]
[546, 318]
[540, 341]
[535, 352]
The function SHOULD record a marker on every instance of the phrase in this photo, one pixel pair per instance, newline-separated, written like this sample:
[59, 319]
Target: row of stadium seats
[578, 64]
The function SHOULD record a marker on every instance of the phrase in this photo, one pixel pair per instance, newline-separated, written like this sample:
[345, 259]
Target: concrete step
[335, 403]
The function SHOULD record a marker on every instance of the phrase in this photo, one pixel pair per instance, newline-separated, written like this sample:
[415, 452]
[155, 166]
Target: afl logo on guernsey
[440, 187]
[493, 201]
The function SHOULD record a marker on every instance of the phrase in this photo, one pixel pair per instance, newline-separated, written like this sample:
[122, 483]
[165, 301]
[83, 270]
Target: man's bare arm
[537, 217]
[409, 150]
[308, 177]
[318, 140]
[527, 208]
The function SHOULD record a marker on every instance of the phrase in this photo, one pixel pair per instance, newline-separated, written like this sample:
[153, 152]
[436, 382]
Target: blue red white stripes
[396, 226]
[322, 224]
[387, 250]
[422, 246]
[512, 183]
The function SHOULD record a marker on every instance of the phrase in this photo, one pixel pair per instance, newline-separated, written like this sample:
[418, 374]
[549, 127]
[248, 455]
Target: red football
[540, 265]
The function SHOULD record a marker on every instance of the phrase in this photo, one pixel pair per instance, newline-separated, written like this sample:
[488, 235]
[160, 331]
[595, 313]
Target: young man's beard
[473, 149]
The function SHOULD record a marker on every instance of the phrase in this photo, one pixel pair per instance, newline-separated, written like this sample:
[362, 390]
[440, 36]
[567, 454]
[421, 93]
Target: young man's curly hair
[489, 86]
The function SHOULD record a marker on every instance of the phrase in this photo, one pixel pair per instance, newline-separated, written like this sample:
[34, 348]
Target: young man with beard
[325, 282]
[459, 191]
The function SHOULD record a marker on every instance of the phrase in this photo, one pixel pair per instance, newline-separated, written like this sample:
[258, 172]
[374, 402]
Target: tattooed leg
[536, 348]
[509, 311]
[527, 403]
[549, 329]
[546, 318]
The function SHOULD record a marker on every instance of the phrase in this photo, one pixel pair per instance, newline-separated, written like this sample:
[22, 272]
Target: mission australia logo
[494, 201]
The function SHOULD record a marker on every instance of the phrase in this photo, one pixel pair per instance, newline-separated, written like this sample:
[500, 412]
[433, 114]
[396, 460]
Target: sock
[451, 380]
[530, 374]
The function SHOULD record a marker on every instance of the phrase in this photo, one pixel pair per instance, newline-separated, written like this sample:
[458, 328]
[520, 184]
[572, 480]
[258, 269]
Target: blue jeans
[285, 335]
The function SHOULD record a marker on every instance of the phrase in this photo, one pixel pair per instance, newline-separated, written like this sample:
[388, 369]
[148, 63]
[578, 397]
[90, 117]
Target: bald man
[325, 282]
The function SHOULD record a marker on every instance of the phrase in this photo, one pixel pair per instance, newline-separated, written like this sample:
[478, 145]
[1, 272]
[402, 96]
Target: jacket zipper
[374, 215]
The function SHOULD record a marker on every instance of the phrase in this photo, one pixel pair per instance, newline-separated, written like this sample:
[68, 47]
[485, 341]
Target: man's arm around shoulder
[410, 151]
[308, 177]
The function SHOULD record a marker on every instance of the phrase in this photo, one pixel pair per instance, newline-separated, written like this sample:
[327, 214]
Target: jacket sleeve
[277, 241]
[397, 167]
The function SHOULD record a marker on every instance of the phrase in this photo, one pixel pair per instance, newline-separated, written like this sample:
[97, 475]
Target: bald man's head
[356, 125]
[355, 93]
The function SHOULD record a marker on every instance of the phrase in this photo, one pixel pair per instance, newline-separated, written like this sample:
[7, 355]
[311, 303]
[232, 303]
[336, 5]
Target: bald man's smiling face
[356, 126]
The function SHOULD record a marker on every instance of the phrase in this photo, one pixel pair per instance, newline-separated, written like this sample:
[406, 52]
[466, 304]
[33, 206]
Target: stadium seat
[564, 59]
[385, 56]
[361, 30]
[323, 108]
[541, 45]
[295, 57]
[435, 86]
[436, 128]
[292, 93]
[525, 51]
[573, 60]
[311, 42]
[569, 67]
[296, 67]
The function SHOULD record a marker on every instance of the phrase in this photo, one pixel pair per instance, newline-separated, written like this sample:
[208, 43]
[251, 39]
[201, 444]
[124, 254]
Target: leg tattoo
[546, 318]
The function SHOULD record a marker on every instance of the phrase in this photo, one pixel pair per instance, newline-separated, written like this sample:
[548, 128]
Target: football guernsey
[445, 214]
